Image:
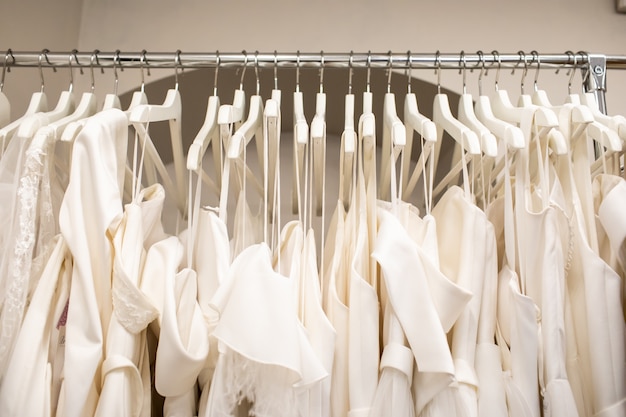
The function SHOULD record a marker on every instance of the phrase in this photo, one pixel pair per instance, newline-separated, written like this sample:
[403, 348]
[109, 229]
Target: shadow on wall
[196, 86]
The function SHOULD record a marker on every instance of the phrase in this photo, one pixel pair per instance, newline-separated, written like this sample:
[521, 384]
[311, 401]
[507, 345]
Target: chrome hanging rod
[400, 60]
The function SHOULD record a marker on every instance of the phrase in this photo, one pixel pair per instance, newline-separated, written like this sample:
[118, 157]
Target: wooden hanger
[318, 144]
[414, 121]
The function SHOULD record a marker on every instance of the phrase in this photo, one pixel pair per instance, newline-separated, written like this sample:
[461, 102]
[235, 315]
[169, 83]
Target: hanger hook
[350, 71]
[438, 70]
[243, 72]
[573, 71]
[566, 64]
[177, 64]
[143, 61]
[522, 58]
[322, 72]
[41, 68]
[116, 60]
[409, 71]
[256, 72]
[275, 70]
[463, 69]
[298, 72]
[481, 62]
[71, 74]
[584, 55]
[80, 68]
[496, 55]
[390, 67]
[217, 68]
[5, 69]
[94, 57]
[369, 67]
[535, 55]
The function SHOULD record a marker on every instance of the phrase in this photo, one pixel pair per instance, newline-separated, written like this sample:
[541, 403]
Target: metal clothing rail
[594, 66]
[98, 59]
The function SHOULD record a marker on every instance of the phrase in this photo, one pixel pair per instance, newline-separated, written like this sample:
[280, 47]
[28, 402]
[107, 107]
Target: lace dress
[31, 229]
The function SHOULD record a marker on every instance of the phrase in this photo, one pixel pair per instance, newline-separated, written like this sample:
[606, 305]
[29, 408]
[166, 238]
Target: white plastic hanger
[5, 106]
[394, 138]
[170, 110]
[617, 123]
[249, 129]
[318, 143]
[86, 107]
[367, 131]
[272, 120]
[64, 107]
[445, 121]
[111, 101]
[300, 141]
[38, 103]
[579, 115]
[348, 146]
[544, 118]
[504, 110]
[252, 127]
[233, 113]
[512, 135]
[207, 134]
[466, 115]
[414, 121]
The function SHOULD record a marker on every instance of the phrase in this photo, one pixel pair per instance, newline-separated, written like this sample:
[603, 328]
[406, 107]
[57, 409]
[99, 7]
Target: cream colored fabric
[92, 202]
[28, 388]
[268, 365]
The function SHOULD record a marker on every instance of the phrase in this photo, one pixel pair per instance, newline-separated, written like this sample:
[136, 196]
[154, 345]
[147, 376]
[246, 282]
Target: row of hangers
[480, 124]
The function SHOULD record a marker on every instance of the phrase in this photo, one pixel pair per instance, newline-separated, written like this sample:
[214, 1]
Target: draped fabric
[495, 289]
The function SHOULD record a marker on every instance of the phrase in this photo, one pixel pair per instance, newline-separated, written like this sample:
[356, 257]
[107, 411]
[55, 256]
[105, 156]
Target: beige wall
[288, 25]
[33, 25]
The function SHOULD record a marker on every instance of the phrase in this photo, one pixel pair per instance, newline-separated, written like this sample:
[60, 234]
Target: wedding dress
[92, 202]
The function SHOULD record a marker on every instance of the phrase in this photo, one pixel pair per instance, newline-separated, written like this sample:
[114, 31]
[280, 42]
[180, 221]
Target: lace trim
[268, 388]
[131, 306]
[20, 267]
